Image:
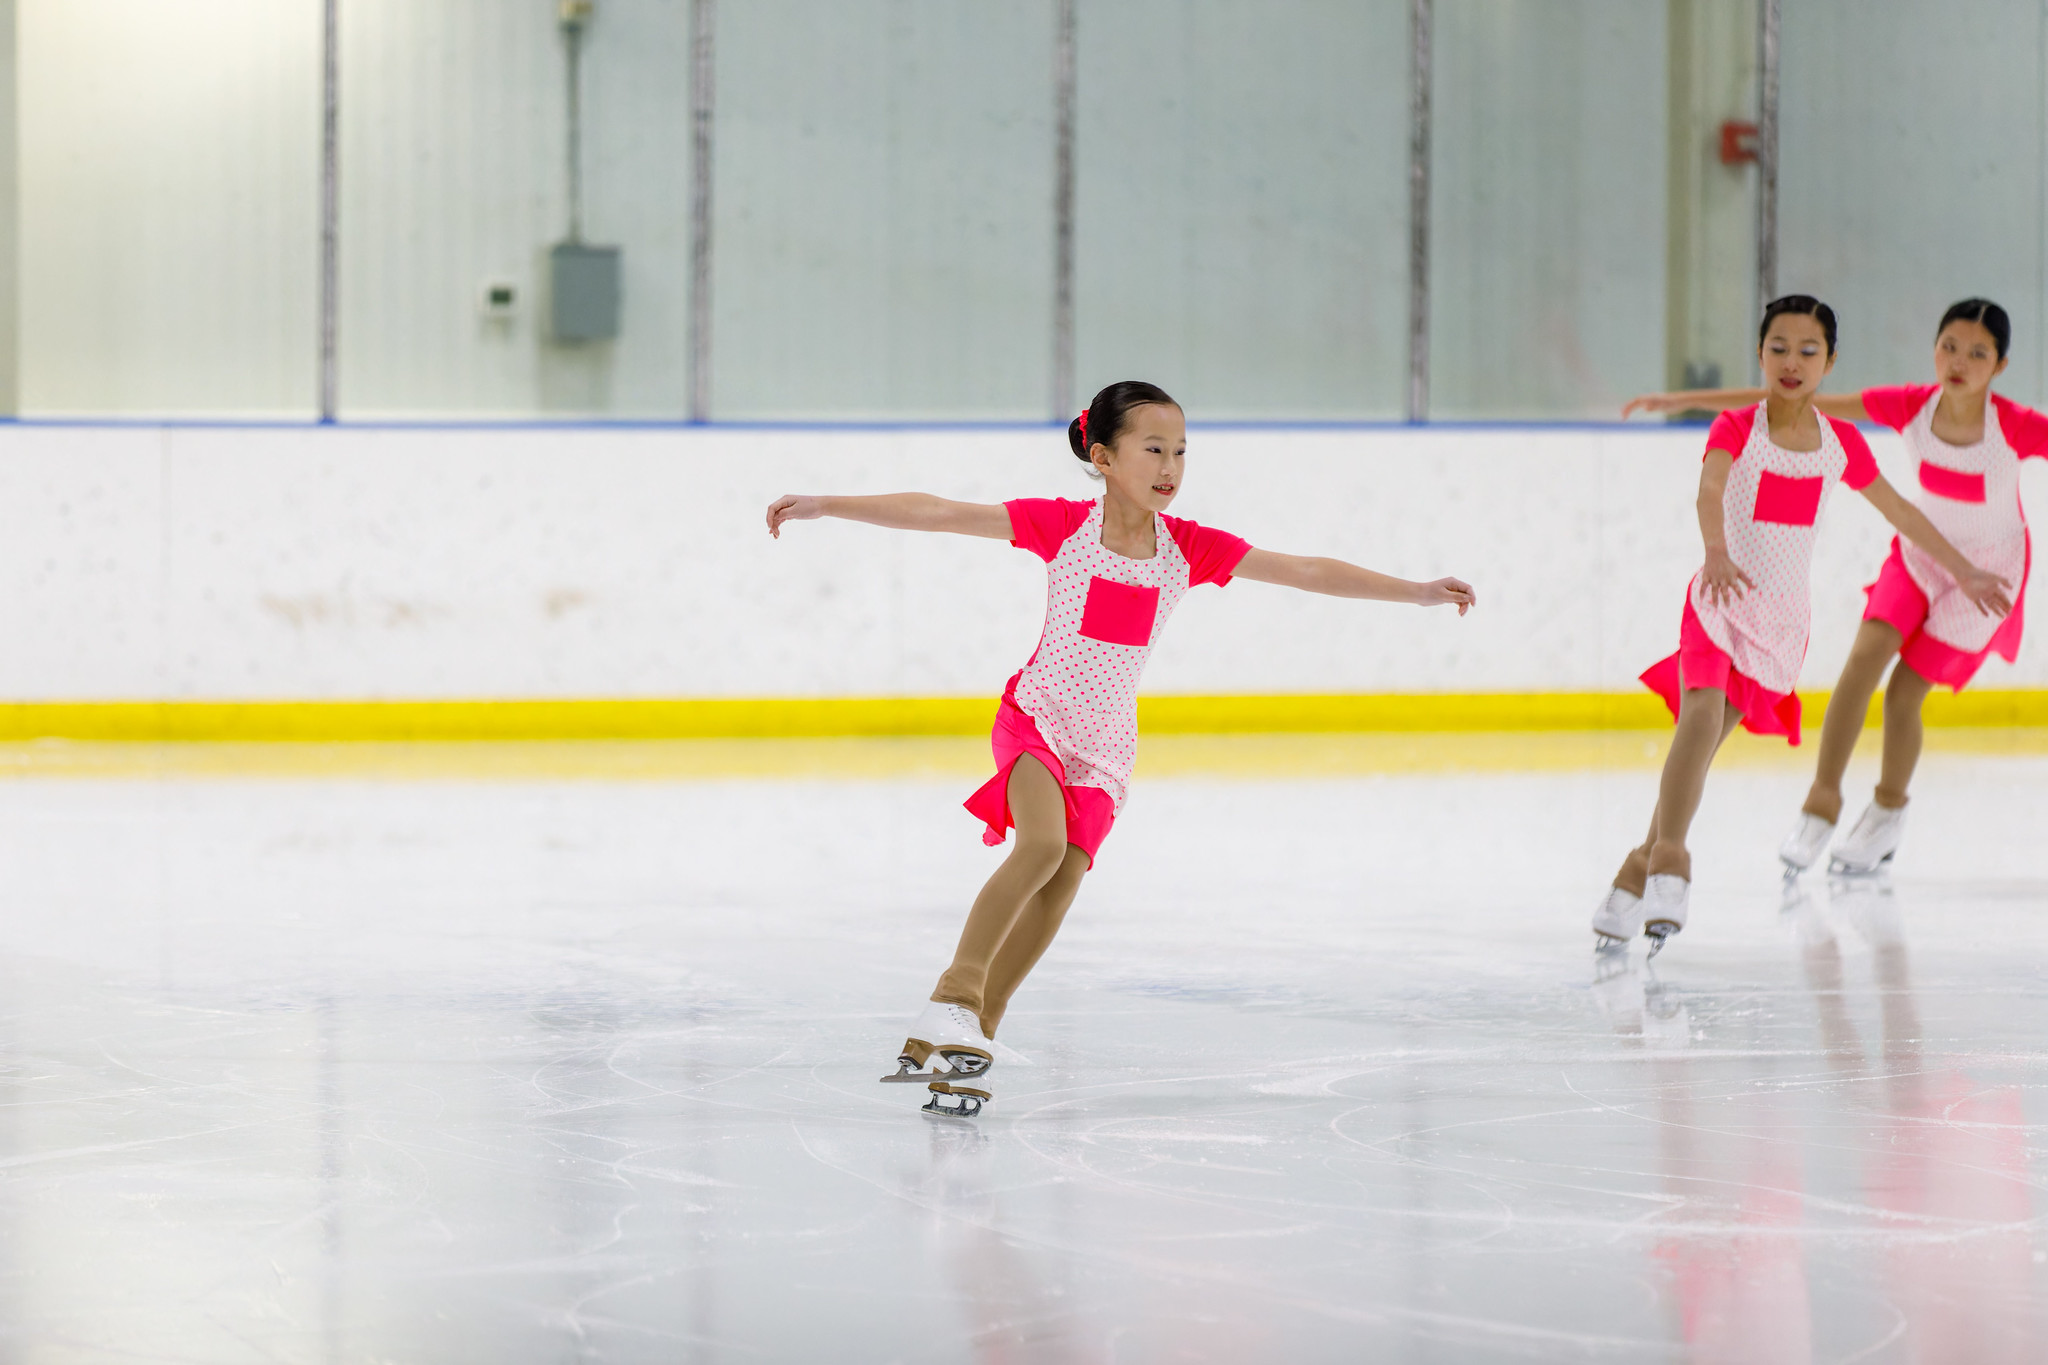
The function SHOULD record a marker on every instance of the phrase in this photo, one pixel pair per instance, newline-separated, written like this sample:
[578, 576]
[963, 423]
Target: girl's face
[1966, 358]
[1794, 355]
[1145, 464]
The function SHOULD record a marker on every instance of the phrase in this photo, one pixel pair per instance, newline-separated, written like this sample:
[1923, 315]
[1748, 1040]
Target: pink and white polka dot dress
[1771, 512]
[1103, 613]
[1972, 495]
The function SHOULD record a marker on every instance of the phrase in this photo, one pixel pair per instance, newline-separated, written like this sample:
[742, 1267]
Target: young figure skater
[1767, 474]
[1066, 730]
[1966, 454]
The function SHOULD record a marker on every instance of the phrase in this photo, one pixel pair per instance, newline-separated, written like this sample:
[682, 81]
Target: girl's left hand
[1447, 590]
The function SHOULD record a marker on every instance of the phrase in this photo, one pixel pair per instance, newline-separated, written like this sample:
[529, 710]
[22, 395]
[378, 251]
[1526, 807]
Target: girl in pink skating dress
[1966, 444]
[1066, 732]
[1766, 477]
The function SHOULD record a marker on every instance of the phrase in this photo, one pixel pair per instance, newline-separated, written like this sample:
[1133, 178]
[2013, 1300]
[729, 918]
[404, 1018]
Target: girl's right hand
[793, 507]
[1721, 583]
[1986, 592]
[1657, 402]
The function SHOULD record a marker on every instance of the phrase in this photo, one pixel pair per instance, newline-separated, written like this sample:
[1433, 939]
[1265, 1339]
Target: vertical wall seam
[1064, 95]
[1421, 20]
[703, 92]
[1767, 153]
[330, 204]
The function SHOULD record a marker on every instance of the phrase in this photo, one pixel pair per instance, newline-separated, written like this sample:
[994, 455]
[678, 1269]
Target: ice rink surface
[561, 1053]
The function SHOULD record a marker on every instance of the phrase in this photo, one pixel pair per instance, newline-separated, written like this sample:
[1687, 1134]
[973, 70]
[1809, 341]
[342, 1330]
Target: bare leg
[1705, 720]
[1903, 733]
[1029, 937]
[1040, 811]
[1848, 708]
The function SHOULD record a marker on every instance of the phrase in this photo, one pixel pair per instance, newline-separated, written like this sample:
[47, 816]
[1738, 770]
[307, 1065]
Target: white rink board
[303, 563]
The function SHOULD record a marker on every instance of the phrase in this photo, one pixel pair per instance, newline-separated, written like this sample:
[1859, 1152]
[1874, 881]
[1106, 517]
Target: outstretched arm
[1986, 590]
[1336, 578]
[1847, 406]
[898, 511]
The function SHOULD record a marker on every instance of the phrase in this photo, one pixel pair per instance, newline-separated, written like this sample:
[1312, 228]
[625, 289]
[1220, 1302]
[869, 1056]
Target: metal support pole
[572, 35]
[1421, 21]
[703, 70]
[330, 204]
[1063, 215]
[1766, 152]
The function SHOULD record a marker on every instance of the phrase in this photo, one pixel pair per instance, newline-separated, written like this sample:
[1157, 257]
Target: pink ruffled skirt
[1897, 600]
[1700, 662]
[1090, 810]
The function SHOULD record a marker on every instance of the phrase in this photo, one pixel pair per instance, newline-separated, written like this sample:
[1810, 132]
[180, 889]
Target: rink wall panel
[610, 565]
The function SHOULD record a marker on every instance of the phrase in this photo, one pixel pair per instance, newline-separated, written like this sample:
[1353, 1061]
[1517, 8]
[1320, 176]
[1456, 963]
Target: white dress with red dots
[1103, 612]
[1972, 495]
[1752, 647]
[1074, 707]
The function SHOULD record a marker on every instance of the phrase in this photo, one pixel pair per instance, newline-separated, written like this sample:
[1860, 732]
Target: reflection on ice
[390, 1067]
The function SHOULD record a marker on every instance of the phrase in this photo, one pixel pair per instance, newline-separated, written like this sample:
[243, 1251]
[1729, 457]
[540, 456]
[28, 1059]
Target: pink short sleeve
[1897, 405]
[1042, 525]
[1730, 431]
[2025, 430]
[1212, 555]
[1862, 466]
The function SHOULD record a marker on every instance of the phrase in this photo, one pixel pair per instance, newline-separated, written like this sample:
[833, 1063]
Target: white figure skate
[945, 1044]
[958, 1099]
[1665, 901]
[1871, 844]
[1619, 919]
[1804, 845]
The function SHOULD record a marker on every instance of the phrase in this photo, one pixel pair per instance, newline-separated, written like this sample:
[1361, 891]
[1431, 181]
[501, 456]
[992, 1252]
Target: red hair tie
[1084, 431]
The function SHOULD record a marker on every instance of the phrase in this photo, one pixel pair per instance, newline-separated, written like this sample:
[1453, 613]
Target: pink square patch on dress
[1788, 502]
[1954, 484]
[1119, 614]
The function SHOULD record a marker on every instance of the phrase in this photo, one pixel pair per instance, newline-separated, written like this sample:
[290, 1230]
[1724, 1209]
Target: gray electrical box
[585, 291]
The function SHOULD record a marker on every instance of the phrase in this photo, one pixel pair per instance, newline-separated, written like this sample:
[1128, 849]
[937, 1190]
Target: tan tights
[1875, 645]
[1020, 909]
[1705, 720]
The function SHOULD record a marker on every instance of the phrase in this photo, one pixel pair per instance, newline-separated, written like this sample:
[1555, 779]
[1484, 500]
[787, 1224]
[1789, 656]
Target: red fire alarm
[1738, 142]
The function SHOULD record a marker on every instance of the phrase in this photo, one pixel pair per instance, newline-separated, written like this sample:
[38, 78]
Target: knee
[1906, 692]
[1038, 857]
[1702, 708]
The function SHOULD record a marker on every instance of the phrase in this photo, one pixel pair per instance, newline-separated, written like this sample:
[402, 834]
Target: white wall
[309, 563]
[1912, 176]
[454, 172]
[1241, 203]
[169, 192]
[1547, 207]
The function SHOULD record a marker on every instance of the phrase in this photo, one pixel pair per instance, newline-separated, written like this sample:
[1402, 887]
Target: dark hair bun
[1075, 443]
[1110, 413]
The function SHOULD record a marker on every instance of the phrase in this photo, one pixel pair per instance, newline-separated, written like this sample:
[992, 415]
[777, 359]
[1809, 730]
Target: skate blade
[1605, 943]
[967, 1102]
[1659, 937]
